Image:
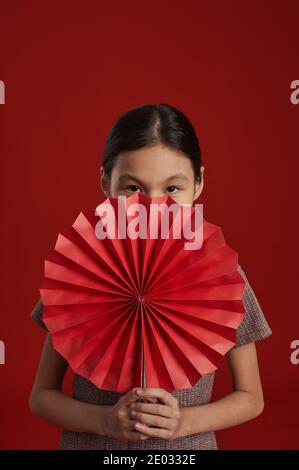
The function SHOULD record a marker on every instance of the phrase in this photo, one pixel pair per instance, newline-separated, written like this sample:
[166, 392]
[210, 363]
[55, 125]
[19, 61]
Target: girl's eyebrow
[126, 176]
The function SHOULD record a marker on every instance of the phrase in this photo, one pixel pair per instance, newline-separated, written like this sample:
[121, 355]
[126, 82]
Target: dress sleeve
[37, 314]
[254, 325]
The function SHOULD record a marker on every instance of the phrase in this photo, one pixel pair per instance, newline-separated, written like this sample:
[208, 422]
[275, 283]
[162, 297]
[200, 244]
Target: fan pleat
[175, 358]
[224, 317]
[75, 254]
[109, 251]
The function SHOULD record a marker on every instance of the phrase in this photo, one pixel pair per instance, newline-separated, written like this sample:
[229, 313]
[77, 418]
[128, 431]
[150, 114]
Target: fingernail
[139, 391]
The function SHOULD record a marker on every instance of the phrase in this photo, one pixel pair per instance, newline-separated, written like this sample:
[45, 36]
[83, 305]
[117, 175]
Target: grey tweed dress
[253, 327]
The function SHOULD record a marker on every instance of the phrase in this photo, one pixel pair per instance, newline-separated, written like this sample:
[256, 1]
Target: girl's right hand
[117, 420]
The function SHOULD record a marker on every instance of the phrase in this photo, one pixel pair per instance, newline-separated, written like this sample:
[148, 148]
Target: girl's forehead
[148, 160]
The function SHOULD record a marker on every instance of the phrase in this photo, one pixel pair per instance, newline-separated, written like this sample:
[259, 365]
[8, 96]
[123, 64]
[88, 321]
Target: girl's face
[155, 171]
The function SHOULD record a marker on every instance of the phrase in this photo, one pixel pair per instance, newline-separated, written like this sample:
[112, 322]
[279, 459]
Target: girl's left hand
[162, 419]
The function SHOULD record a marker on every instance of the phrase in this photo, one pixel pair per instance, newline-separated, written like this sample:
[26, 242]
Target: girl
[154, 149]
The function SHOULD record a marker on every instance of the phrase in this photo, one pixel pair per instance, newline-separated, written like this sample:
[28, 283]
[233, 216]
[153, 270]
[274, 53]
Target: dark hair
[148, 125]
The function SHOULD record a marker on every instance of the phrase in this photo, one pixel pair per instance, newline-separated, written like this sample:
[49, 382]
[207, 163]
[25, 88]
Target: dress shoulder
[37, 314]
[254, 325]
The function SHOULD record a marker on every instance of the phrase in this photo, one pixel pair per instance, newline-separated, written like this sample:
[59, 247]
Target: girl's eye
[170, 189]
[132, 188]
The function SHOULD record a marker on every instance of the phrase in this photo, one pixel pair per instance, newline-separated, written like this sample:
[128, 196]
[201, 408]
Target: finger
[153, 408]
[152, 431]
[153, 420]
[160, 393]
[131, 396]
[133, 432]
[148, 400]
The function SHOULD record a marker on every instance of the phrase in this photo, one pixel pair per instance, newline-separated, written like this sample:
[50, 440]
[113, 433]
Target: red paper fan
[127, 312]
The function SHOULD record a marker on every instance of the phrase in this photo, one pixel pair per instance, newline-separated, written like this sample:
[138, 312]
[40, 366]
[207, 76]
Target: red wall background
[70, 69]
